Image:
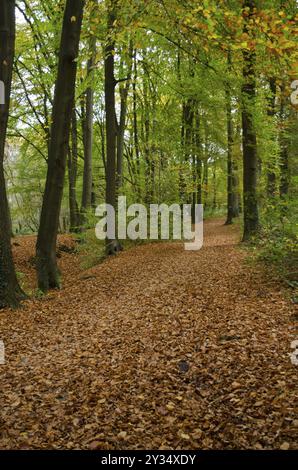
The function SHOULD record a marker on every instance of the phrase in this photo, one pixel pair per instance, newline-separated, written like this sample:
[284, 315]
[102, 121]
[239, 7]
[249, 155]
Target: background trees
[172, 102]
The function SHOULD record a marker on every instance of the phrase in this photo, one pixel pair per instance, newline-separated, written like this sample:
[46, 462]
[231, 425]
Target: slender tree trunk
[188, 148]
[10, 292]
[146, 121]
[198, 151]
[205, 168]
[153, 148]
[283, 142]
[123, 91]
[72, 176]
[271, 166]
[237, 155]
[47, 270]
[189, 118]
[214, 202]
[135, 115]
[230, 214]
[182, 182]
[88, 131]
[196, 162]
[205, 182]
[232, 180]
[249, 139]
[112, 244]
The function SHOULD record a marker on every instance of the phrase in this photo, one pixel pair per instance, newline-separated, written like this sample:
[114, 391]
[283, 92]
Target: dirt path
[158, 348]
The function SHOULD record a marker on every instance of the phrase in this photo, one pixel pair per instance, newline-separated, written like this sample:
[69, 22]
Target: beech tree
[10, 291]
[250, 158]
[47, 270]
[232, 179]
[88, 129]
[112, 245]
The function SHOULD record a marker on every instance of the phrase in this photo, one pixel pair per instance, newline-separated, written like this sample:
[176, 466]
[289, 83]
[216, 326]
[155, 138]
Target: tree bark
[146, 121]
[135, 116]
[10, 291]
[249, 139]
[88, 132]
[230, 213]
[124, 90]
[198, 147]
[47, 270]
[284, 143]
[112, 244]
[232, 180]
[205, 167]
[187, 143]
[271, 166]
[196, 162]
[72, 176]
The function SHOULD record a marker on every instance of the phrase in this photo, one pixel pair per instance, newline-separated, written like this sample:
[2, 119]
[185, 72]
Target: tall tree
[112, 244]
[271, 166]
[74, 214]
[47, 270]
[284, 146]
[232, 183]
[88, 129]
[10, 291]
[249, 140]
[123, 91]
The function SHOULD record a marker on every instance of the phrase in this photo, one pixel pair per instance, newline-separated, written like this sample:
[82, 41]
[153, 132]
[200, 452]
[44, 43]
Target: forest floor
[157, 348]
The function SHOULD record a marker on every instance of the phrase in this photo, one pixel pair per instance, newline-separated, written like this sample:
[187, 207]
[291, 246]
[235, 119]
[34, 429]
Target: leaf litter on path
[156, 348]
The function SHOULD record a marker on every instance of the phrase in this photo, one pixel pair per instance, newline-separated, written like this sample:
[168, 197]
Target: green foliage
[278, 242]
[170, 53]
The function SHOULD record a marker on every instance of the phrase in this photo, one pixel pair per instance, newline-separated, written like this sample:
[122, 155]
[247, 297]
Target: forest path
[156, 348]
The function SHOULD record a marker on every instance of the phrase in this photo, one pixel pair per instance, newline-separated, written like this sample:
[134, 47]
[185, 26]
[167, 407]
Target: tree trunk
[232, 180]
[10, 292]
[135, 117]
[205, 168]
[124, 90]
[48, 274]
[187, 136]
[146, 121]
[283, 142]
[230, 214]
[249, 139]
[72, 176]
[196, 162]
[271, 166]
[214, 202]
[88, 131]
[112, 244]
[198, 150]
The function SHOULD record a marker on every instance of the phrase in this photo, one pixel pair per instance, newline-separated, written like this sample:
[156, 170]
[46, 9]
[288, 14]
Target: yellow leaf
[170, 406]
[185, 436]
[285, 446]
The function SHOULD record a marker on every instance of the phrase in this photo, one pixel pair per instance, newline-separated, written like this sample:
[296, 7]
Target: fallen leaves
[236, 385]
[155, 348]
